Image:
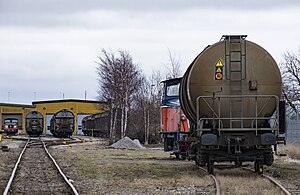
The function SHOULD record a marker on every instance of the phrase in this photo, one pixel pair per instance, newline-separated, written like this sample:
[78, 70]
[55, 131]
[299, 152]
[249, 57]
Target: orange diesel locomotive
[174, 124]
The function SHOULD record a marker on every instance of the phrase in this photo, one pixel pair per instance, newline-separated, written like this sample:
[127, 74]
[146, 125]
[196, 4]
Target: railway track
[273, 180]
[218, 184]
[36, 172]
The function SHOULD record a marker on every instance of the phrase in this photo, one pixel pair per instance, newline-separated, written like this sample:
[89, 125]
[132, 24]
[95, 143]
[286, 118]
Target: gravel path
[37, 175]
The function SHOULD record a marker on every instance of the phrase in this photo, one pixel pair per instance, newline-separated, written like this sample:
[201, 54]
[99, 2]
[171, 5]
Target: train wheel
[259, 167]
[197, 160]
[238, 163]
[210, 167]
[268, 159]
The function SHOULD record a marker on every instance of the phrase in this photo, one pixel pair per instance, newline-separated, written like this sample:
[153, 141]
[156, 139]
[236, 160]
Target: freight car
[10, 126]
[97, 125]
[231, 95]
[174, 124]
[62, 123]
[34, 123]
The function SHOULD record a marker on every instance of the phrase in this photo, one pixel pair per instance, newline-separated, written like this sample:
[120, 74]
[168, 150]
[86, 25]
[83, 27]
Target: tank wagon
[10, 126]
[174, 124]
[231, 95]
[62, 123]
[97, 125]
[34, 123]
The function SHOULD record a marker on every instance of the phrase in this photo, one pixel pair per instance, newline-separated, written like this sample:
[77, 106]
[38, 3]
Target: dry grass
[154, 172]
[293, 151]
[238, 181]
[136, 171]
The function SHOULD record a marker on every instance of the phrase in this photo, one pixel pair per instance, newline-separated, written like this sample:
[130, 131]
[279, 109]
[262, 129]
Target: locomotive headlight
[15, 126]
[183, 117]
[6, 126]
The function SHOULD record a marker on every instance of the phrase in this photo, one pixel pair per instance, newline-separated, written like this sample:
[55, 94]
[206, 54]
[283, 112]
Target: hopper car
[231, 95]
[97, 125]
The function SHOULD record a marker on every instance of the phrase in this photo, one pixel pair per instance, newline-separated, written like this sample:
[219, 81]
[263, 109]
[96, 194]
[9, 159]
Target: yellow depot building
[80, 109]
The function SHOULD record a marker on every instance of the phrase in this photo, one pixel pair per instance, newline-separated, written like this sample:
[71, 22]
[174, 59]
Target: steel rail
[60, 171]
[14, 170]
[217, 184]
[273, 181]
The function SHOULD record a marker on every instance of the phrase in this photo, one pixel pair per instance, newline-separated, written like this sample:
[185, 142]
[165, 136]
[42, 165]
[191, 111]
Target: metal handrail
[216, 112]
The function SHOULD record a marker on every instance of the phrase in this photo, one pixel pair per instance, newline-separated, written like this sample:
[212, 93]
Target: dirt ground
[95, 169]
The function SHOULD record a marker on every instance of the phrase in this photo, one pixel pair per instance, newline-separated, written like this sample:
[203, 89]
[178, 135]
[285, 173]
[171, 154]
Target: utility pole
[8, 97]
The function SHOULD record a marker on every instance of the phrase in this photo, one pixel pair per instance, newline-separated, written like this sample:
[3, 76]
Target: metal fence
[293, 130]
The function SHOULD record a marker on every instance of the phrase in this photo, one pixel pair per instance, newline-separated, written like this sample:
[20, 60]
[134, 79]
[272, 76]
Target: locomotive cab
[174, 124]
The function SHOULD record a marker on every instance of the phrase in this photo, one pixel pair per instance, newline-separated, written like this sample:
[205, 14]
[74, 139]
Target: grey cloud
[65, 6]
[50, 13]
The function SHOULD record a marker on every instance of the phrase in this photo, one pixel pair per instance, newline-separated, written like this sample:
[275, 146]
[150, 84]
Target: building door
[79, 123]
[48, 118]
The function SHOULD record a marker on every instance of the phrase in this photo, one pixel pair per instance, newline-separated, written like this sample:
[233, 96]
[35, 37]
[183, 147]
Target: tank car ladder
[235, 55]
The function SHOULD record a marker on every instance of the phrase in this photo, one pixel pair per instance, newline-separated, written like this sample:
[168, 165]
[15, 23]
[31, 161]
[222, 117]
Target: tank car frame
[235, 112]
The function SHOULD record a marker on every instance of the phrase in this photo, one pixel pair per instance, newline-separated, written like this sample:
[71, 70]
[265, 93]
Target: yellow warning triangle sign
[219, 70]
[219, 63]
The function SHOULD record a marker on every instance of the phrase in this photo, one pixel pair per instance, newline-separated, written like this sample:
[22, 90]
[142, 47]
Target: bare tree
[173, 66]
[145, 113]
[152, 109]
[291, 79]
[119, 79]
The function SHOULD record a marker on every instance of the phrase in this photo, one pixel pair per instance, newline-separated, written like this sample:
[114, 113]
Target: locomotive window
[11, 121]
[173, 90]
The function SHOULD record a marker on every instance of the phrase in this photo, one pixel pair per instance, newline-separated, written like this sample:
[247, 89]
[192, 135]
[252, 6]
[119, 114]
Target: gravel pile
[127, 143]
[137, 142]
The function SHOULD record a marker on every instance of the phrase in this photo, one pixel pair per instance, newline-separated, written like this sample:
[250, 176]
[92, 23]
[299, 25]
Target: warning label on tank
[219, 70]
[219, 63]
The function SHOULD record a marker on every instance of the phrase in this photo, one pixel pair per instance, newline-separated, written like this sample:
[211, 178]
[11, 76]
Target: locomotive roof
[170, 80]
[34, 114]
[64, 113]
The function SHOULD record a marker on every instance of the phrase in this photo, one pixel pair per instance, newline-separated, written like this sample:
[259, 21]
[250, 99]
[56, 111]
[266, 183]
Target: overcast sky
[49, 47]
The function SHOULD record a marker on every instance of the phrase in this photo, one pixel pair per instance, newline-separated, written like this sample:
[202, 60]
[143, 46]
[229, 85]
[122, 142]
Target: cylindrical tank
[232, 66]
